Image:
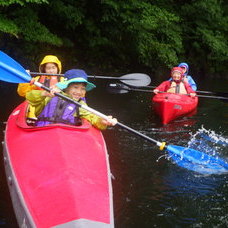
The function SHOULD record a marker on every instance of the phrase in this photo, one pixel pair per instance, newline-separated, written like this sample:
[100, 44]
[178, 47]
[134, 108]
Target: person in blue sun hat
[52, 109]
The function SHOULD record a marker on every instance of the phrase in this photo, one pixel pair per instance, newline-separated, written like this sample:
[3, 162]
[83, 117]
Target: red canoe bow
[170, 106]
[58, 175]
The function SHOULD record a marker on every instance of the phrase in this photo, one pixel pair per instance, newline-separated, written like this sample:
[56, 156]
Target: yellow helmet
[50, 59]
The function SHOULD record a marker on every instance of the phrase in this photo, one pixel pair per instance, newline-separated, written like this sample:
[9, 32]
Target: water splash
[205, 153]
[209, 142]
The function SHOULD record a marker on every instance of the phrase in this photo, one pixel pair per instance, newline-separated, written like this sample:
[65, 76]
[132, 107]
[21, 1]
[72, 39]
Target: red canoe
[58, 175]
[170, 106]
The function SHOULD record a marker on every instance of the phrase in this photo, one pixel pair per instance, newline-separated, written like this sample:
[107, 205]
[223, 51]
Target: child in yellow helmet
[50, 65]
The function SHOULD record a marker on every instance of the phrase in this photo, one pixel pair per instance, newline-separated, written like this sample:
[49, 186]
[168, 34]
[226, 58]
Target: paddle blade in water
[197, 161]
[11, 71]
[136, 79]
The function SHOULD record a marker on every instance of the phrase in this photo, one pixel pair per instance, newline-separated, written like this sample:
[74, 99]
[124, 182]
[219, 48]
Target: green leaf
[8, 26]
[21, 2]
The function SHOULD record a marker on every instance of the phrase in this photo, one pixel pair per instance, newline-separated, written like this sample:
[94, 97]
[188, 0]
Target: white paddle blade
[136, 79]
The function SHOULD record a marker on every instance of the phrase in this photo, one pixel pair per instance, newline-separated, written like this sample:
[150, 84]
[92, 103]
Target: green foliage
[206, 27]
[158, 35]
[21, 2]
[24, 24]
[32, 30]
[122, 33]
[152, 32]
[8, 26]
[216, 43]
[70, 15]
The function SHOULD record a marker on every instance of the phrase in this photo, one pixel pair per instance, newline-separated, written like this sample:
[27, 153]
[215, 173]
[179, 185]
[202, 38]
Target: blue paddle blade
[11, 71]
[197, 161]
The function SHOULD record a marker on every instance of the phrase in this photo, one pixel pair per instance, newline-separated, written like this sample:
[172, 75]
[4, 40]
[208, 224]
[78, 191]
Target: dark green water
[149, 190]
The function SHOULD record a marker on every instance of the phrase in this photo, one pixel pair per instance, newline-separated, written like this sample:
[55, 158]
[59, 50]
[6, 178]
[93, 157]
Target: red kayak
[170, 106]
[58, 175]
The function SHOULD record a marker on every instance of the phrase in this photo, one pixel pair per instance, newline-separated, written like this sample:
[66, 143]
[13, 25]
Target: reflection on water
[148, 191]
[195, 199]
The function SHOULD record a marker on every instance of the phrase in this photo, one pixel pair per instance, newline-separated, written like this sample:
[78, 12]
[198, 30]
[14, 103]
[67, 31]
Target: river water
[149, 190]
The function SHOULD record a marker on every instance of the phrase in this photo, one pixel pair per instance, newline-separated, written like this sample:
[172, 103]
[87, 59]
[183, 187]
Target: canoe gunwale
[15, 190]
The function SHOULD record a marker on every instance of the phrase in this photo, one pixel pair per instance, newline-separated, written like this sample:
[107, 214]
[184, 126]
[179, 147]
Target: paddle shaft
[90, 76]
[150, 91]
[98, 114]
[198, 91]
[139, 134]
[216, 97]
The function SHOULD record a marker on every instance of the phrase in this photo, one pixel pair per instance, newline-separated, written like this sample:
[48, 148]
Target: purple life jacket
[59, 111]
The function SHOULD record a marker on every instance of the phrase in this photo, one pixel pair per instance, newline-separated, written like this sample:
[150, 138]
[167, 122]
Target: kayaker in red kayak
[176, 85]
[51, 109]
[50, 65]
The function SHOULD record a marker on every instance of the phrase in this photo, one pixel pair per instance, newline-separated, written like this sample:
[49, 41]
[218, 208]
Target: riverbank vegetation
[124, 35]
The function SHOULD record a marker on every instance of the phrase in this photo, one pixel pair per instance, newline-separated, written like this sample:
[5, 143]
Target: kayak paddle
[11, 71]
[198, 91]
[134, 79]
[121, 88]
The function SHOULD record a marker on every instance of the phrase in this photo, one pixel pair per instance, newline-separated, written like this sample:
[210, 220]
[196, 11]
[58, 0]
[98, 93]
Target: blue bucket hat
[77, 76]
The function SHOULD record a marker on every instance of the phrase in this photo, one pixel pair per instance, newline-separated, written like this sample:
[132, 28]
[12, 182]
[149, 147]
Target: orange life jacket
[49, 81]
